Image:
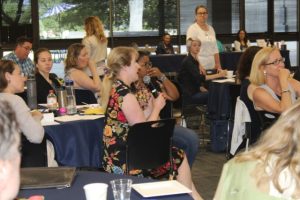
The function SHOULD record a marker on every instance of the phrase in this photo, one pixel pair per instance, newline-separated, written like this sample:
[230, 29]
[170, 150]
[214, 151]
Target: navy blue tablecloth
[229, 60]
[167, 62]
[76, 192]
[77, 143]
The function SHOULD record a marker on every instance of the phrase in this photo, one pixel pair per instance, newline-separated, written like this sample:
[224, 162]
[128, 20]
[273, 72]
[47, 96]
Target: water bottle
[62, 100]
[71, 101]
[52, 101]
[31, 92]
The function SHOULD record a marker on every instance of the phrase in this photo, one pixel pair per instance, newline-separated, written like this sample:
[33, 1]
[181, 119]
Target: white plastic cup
[229, 74]
[95, 191]
[121, 188]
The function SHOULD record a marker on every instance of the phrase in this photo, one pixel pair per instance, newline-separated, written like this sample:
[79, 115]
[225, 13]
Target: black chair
[193, 114]
[149, 145]
[33, 155]
[85, 96]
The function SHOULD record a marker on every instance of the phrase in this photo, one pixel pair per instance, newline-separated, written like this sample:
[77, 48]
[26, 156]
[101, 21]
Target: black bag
[220, 135]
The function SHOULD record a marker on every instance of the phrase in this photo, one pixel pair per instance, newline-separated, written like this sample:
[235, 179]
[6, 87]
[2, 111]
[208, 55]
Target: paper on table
[48, 119]
[161, 188]
[231, 80]
[68, 118]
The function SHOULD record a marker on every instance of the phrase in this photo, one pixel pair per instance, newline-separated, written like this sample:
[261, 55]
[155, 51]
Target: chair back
[242, 126]
[33, 155]
[85, 96]
[149, 144]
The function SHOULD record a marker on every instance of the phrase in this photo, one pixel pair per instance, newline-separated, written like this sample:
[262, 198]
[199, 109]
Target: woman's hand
[283, 75]
[154, 72]
[159, 102]
[37, 114]
[222, 73]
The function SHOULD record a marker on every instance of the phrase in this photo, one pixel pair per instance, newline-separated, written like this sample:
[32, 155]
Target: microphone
[151, 86]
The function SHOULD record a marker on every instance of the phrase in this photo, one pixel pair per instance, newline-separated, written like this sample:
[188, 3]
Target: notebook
[47, 177]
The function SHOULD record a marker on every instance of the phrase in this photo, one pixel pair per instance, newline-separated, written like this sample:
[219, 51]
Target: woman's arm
[29, 123]
[264, 101]
[82, 80]
[217, 61]
[220, 74]
[237, 45]
[133, 112]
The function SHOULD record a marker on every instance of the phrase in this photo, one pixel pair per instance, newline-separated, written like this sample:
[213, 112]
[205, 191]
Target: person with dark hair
[20, 55]
[165, 46]
[243, 72]
[183, 138]
[11, 82]
[45, 80]
[10, 156]
[241, 43]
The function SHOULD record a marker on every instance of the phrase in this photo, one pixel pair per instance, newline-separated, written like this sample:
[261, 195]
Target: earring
[265, 73]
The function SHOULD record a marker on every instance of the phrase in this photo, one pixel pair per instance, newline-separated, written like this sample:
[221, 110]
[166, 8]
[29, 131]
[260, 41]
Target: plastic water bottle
[31, 92]
[52, 101]
[62, 100]
[71, 101]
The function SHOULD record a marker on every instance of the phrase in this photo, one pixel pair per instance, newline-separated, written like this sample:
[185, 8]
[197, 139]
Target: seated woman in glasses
[277, 90]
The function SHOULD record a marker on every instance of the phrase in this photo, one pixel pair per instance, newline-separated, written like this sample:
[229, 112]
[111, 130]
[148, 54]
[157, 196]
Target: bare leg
[185, 178]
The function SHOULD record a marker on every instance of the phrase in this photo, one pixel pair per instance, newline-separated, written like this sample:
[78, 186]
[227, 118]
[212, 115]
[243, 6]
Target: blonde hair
[189, 42]
[117, 58]
[93, 26]
[281, 141]
[257, 76]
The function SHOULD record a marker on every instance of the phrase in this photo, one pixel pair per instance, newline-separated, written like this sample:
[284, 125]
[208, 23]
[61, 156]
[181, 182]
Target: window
[256, 16]
[285, 12]
[16, 20]
[65, 20]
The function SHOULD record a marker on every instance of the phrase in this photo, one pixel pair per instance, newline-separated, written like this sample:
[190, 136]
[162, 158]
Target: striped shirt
[26, 65]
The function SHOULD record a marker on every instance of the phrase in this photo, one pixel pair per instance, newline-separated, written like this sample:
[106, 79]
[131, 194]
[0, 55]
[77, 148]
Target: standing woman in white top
[96, 43]
[200, 30]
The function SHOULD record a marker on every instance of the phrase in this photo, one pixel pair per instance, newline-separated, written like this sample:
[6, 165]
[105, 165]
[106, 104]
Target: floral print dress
[115, 138]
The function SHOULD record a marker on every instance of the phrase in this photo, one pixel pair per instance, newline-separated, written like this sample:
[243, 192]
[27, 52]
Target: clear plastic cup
[121, 188]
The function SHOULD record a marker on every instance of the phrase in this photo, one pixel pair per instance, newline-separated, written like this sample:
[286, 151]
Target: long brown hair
[5, 66]
[93, 26]
[72, 55]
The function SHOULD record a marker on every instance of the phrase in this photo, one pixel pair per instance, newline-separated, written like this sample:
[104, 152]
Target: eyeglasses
[276, 62]
[202, 13]
[26, 48]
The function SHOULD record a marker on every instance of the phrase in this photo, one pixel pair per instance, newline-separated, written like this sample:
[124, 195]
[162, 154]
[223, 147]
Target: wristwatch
[162, 78]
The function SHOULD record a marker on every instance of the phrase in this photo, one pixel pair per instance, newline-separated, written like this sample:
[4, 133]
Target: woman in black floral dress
[123, 110]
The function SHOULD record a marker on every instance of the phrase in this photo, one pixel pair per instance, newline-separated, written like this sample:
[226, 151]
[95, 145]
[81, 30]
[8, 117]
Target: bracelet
[162, 78]
[284, 91]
